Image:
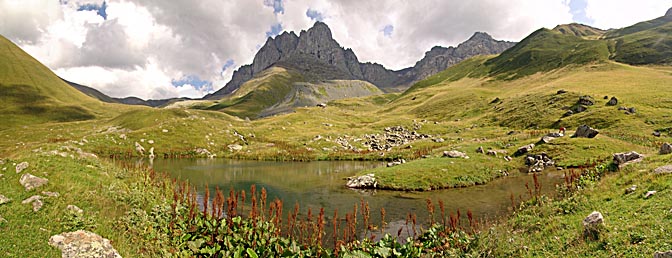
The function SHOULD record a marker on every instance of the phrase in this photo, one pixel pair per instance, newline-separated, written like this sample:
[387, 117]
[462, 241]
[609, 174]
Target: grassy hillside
[579, 30]
[31, 93]
[648, 42]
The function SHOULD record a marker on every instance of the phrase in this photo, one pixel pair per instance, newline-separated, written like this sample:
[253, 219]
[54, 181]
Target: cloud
[159, 49]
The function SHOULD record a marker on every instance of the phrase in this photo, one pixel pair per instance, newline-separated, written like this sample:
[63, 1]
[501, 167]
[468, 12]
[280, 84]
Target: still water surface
[321, 184]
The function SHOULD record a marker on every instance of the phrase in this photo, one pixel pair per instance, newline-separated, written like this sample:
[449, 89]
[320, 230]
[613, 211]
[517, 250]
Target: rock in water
[612, 102]
[83, 244]
[592, 225]
[31, 182]
[21, 166]
[585, 131]
[666, 148]
[625, 157]
[455, 154]
[365, 181]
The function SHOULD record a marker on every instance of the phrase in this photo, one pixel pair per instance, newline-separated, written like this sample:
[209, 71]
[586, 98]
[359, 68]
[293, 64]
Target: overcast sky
[169, 48]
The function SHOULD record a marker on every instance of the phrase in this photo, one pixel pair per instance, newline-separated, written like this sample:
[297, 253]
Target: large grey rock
[666, 148]
[455, 154]
[36, 200]
[21, 166]
[365, 181]
[666, 254]
[663, 170]
[625, 157]
[585, 131]
[612, 102]
[592, 225]
[83, 244]
[524, 149]
[31, 182]
[4, 199]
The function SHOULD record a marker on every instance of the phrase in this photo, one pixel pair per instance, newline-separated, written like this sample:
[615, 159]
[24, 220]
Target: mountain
[31, 93]
[127, 100]
[318, 57]
[648, 42]
[579, 30]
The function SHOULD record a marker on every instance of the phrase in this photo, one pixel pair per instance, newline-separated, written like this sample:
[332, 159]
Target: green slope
[31, 93]
[648, 42]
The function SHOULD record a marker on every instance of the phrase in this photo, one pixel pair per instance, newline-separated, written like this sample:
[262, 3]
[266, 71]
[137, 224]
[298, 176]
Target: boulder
[455, 154]
[592, 225]
[666, 148]
[586, 100]
[666, 254]
[524, 149]
[663, 170]
[648, 194]
[21, 166]
[585, 131]
[625, 157]
[4, 199]
[83, 244]
[31, 182]
[365, 181]
[656, 133]
[36, 200]
[234, 147]
[612, 102]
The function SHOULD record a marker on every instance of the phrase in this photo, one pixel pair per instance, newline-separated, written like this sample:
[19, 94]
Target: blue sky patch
[387, 30]
[578, 10]
[100, 9]
[275, 30]
[193, 80]
[229, 63]
[278, 6]
[314, 15]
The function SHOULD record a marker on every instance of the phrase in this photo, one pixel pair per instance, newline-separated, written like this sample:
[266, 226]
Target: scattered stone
[666, 254]
[123, 136]
[327, 124]
[666, 148]
[606, 97]
[626, 157]
[206, 152]
[648, 194]
[568, 113]
[480, 150]
[631, 189]
[455, 154]
[632, 110]
[508, 158]
[585, 131]
[492, 153]
[561, 92]
[537, 163]
[365, 181]
[396, 162]
[579, 109]
[663, 170]
[439, 140]
[31, 182]
[524, 149]
[592, 225]
[511, 133]
[21, 166]
[392, 137]
[612, 102]
[234, 147]
[74, 209]
[36, 200]
[51, 194]
[586, 100]
[621, 108]
[656, 133]
[164, 130]
[139, 149]
[150, 141]
[322, 105]
[4, 199]
[83, 243]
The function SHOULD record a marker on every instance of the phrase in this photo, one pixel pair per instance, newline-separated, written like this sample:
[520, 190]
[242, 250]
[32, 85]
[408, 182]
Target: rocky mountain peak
[480, 36]
[669, 12]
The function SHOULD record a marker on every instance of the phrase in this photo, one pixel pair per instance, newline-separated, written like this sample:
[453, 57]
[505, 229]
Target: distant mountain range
[318, 57]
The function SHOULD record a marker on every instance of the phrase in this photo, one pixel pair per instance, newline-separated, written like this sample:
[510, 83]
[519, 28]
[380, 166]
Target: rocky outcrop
[392, 137]
[539, 162]
[366, 181]
[626, 157]
[585, 131]
[31, 182]
[314, 51]
[83, 244]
